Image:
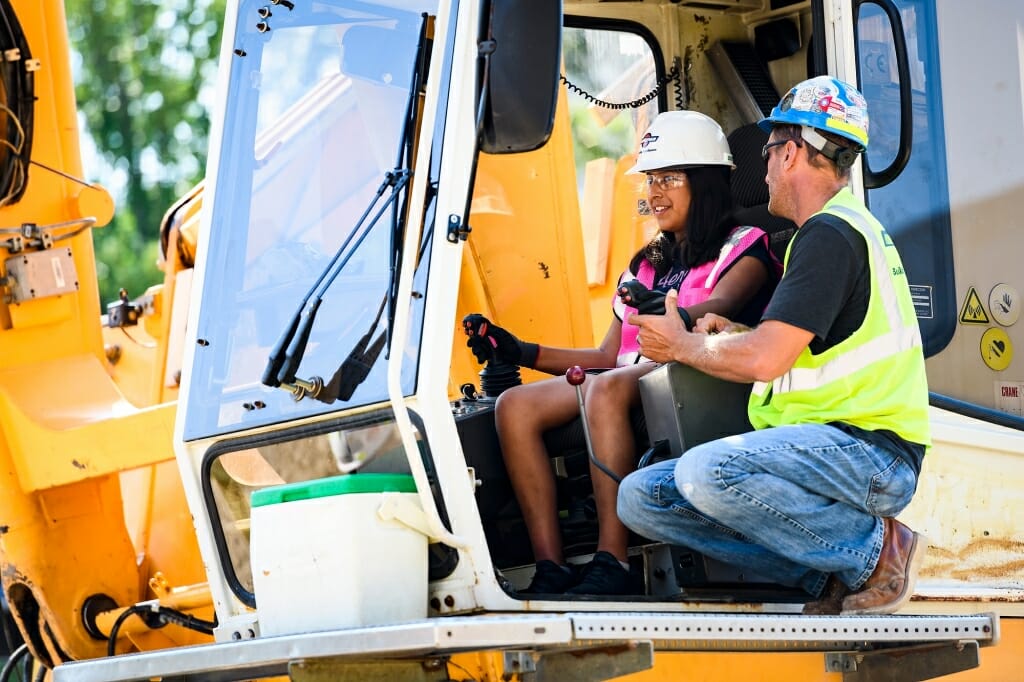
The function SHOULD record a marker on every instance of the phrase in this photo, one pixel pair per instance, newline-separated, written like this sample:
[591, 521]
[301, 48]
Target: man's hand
[711, 323]
[661, 334]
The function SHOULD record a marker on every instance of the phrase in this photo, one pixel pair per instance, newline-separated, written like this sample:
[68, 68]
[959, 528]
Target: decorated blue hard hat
[824, 103]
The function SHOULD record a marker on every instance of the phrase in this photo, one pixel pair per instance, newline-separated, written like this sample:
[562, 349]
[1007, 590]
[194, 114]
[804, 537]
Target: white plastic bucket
[323, 559]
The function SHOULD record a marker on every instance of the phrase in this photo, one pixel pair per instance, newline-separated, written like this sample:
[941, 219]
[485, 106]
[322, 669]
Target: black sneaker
[604, 575]
[550, 578]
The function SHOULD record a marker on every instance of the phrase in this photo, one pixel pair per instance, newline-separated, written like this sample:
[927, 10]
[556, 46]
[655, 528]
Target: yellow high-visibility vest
[874, 379]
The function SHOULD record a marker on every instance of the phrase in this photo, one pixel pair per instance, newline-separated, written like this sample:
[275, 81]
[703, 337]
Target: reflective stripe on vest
[901, 337]
[875, 378]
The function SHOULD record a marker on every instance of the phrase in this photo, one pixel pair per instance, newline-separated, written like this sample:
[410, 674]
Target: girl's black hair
[707, 225]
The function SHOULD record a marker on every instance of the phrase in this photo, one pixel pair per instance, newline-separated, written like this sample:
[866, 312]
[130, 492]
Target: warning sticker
[973, 312]
[996, 349]
[921, 295]
[1004, 302]
[1010, 397]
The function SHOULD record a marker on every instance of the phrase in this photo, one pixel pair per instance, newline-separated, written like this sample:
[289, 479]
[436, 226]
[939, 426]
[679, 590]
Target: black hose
[125, 615]
[12, 662]
[187, 621]
[163, 615]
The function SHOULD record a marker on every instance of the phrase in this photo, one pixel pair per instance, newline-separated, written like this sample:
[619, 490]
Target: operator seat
[749, 191]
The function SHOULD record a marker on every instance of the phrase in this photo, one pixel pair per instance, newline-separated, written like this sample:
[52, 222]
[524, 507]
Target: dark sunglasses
[764, 149]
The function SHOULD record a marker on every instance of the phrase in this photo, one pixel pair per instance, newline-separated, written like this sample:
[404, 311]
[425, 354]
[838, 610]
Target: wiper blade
[357, 365]
[287, 353]
[286, 356]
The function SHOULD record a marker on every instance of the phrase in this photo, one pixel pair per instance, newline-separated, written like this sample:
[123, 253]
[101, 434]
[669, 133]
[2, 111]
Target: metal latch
[125, 313]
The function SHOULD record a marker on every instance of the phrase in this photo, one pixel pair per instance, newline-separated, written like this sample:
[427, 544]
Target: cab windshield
[316, 104]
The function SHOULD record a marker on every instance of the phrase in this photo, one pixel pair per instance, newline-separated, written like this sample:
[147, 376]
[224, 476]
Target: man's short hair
[793, 132]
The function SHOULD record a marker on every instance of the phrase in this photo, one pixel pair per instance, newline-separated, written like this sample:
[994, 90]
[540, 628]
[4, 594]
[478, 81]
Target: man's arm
[760, 354]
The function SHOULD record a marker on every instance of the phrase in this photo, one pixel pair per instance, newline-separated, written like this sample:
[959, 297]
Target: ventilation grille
[746, 78]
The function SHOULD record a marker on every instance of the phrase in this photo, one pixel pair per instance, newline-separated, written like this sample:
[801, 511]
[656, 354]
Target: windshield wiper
[287, 354]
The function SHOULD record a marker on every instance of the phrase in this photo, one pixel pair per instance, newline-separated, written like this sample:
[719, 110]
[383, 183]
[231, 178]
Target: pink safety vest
[695, 288]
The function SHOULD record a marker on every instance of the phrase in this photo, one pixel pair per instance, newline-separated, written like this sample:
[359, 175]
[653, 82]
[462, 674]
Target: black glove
[489, 342]
[634, 293]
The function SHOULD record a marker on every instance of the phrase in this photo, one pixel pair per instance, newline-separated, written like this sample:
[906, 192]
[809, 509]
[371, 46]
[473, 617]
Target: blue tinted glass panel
[915, 207]
[316, 105]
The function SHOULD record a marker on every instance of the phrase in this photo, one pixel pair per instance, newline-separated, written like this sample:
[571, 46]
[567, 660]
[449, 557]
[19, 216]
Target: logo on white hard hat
[648, 139]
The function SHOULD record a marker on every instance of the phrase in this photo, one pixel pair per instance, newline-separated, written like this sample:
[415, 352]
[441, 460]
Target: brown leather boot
[830, 602]
[892, 583]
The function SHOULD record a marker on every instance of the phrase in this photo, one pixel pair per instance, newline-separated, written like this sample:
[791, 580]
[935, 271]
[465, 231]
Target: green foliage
[595, 61]
[143, 67]
[592, 140]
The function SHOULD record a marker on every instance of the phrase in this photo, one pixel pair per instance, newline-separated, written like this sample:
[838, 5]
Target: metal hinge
[456, 230]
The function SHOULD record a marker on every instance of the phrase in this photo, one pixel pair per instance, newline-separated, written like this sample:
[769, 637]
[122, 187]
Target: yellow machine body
[97, 513]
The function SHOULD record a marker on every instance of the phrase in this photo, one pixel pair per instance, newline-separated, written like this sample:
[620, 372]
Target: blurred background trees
[145, 73]
[144, 77]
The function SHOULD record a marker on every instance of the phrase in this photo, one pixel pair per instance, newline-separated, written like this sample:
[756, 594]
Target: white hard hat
[682, 139]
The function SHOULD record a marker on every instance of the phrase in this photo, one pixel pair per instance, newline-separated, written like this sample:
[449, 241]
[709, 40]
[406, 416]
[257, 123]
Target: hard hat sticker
[648, 139]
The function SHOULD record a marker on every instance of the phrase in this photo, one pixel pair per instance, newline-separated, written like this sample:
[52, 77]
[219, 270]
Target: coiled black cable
[677, 87]
[671, 76]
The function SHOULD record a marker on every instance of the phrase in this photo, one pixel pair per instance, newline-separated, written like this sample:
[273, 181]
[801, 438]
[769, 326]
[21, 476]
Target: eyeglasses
[667, 181]
[764, 149]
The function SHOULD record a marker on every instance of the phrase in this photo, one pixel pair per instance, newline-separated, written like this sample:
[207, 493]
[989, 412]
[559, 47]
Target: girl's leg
[522, 415]
[609, 400]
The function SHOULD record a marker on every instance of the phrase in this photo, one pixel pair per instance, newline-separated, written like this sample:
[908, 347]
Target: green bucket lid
[329, 487]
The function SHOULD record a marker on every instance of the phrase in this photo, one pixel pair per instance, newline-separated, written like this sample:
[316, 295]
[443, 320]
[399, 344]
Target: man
[840, 400]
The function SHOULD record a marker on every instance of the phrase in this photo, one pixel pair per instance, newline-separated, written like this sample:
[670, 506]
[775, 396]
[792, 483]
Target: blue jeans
[793, 503]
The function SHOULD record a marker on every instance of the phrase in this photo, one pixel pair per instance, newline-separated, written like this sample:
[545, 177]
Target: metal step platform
[539, 647]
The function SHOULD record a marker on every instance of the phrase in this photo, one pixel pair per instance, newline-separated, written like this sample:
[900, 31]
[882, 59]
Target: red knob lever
[575, 376]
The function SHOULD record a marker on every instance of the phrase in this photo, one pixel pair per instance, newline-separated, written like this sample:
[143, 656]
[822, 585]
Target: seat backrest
[749, 191]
